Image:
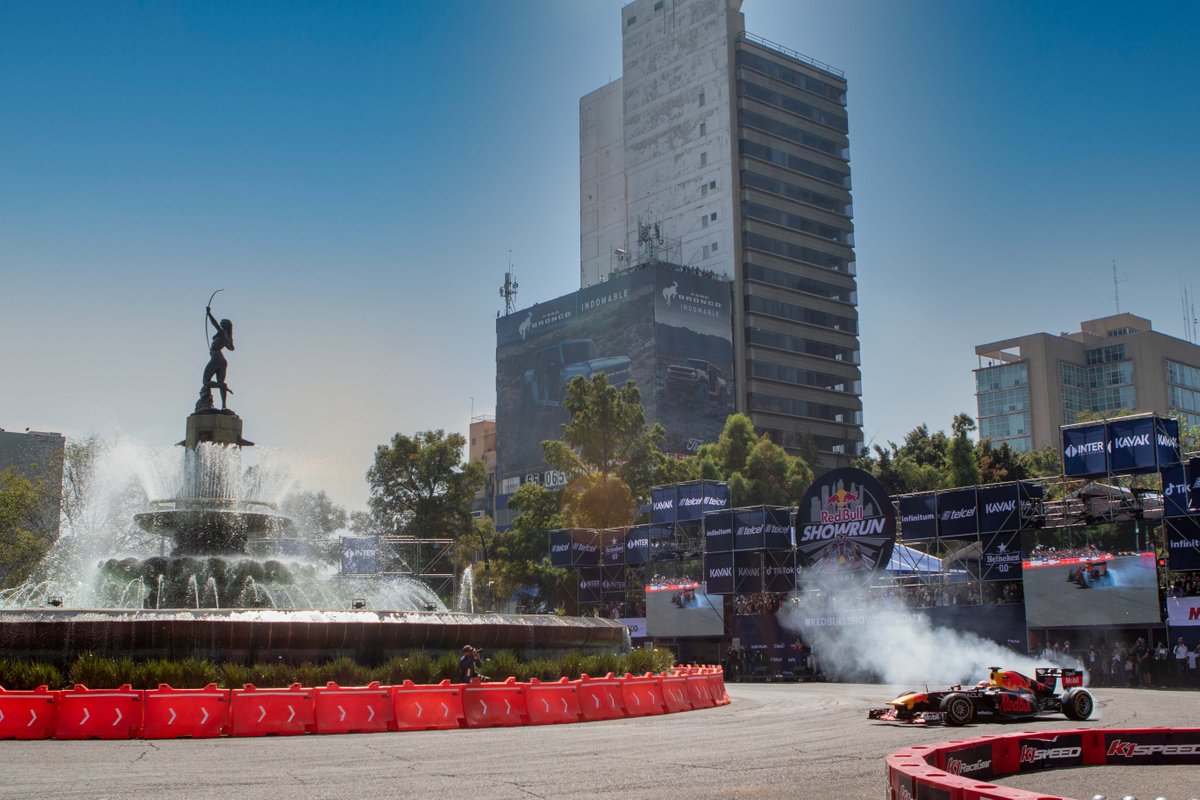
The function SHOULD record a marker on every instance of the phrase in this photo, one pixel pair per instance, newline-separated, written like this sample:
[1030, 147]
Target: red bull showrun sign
[845, 528]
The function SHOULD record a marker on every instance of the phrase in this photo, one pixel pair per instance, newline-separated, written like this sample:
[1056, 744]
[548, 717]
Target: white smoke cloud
[889, 642]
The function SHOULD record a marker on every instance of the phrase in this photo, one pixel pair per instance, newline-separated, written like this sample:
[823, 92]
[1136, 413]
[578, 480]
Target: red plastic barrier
[600, 698]
[700, 691]
[489, 705]
[175, 713]
[271, 712]
[28, 715]
[552, 703]
[642, 696]
[675, 693]
[423, 707]
[85, 713]
[352, 709]
[716, 685]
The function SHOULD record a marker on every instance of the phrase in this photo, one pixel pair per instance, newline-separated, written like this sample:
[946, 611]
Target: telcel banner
[958, 514]
[845, 528]
[699, 496]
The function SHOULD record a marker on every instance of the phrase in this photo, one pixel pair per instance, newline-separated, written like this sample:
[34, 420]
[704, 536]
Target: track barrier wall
[167, 713]
[961, 769]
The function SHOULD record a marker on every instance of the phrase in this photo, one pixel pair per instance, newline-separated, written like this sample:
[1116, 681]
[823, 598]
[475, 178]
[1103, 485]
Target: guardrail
[167, 713]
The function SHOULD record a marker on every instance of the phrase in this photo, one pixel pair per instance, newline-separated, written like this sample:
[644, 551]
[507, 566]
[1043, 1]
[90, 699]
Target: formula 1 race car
[1005, 694]
[1089, 574]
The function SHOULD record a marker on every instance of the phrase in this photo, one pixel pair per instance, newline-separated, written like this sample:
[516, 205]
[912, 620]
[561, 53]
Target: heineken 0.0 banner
[845, 528]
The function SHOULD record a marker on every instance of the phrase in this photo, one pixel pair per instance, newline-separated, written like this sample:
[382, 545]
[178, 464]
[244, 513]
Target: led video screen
[683, 609]
[1093, 575]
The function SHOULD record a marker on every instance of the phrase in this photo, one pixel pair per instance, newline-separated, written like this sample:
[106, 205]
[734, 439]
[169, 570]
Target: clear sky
[354, 176]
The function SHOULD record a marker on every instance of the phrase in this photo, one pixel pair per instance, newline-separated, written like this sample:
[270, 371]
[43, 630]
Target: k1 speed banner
[845, 528]
[1001, 557]
[918, 516]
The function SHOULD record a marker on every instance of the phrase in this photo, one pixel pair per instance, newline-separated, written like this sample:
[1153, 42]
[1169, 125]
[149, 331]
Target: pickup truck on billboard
[696, 380]
[555, 366]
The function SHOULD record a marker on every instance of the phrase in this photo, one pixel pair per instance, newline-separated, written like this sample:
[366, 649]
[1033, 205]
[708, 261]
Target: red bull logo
[841, 500]
[1015, 704]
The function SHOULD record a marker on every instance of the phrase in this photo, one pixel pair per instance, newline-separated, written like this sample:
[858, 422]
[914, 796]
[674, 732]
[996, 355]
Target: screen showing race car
[683, 609]
[1091, 575]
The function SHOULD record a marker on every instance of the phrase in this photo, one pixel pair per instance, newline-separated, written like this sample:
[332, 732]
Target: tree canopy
[21, 547]
[420, 485]
[757, 469]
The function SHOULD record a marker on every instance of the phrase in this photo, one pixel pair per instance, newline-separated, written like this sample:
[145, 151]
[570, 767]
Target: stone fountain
[207, 596]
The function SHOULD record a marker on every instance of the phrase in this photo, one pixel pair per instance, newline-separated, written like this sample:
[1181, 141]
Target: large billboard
[683, 609]
[1096, 575]
[845, 528]
[668, 329]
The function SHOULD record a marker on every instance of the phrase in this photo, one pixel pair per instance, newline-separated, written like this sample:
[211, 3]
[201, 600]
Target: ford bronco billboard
[668, 329]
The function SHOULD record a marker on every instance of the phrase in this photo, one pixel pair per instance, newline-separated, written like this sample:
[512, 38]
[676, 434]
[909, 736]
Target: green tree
[317, 518]
[421, 485]
[757, 470]
[962, 467]
[522, 551]
[22, 503]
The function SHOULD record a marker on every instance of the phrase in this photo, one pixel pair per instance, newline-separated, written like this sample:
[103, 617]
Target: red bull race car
[1005, 694]
[1089, 574]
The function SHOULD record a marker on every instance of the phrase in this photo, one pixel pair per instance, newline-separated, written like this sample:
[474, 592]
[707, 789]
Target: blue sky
[354, 176]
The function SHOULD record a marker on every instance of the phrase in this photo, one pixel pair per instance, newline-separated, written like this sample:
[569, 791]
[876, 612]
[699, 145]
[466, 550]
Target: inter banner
[718, 573]
[612, 584]
[718, 531]
[957, 513]
[637, 544]
[1183, 543]
[918, 516]
[359, 556]
[1001, 557]
[1083, 448]
[845, 528]
[590, 582]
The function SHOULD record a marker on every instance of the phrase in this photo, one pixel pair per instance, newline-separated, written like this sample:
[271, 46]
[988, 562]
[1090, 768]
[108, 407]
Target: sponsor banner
[1183, 544]
[1183, 612]
[590, 585]
[359, 556]
[718, 573]
[918, 516]
[777, 528]
[1132, 449]
[747, 572]
[969, 761]
[612, 584]
[761, 635]
[779, 571]
[718, 531]
[560, 548]
[748, 528]
[662, 504]
[1083, 448]
[958, 513]
[614, 546]
[1166, 439]
[637, 544]
[999, 508]
[1193, 473]
[1001, 560]
[1152, 747]
[845, 528]
[585, 548]
[1175, 491]
[690, 505]
[1050, 751]
[636, 626]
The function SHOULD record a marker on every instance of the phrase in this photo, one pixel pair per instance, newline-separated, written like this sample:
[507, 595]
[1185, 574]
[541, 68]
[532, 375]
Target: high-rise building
[728, 153]
[1029, 386]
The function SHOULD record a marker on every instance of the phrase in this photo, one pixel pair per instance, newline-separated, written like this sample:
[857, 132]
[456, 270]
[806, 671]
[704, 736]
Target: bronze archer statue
[214, 371]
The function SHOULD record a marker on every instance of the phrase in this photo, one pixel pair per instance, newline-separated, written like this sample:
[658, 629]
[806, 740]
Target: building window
[658, 6]
[704, 190]
[631, 20]
[714, 247]
[702, 98]
[713, 216]
[704, 159]
[1104, 355]
[704, 222]
[712, 185]
[703, 128]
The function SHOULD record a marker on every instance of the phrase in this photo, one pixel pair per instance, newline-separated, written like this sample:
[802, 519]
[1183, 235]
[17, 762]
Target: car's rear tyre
[958, 708]
[1085, 578]
[1078, 704]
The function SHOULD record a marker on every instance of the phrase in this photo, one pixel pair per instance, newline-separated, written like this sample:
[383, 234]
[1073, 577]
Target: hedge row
[419, 667]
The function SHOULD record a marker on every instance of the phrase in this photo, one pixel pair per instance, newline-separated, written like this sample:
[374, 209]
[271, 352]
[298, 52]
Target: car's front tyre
[958, 708]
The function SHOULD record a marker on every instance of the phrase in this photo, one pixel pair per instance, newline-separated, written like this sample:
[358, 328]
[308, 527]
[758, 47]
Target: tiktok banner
[845, 529]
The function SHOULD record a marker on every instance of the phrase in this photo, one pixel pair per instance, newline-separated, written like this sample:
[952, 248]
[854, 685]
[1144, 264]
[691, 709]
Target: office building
[728, 153]
[1029, 386]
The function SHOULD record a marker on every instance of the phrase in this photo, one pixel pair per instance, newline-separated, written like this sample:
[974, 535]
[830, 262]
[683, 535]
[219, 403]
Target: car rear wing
[1051, 675]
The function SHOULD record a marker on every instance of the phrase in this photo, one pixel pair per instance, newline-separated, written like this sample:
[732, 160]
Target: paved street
[772, 741]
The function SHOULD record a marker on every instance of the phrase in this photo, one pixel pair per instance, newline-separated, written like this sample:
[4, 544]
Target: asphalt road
[773, 741]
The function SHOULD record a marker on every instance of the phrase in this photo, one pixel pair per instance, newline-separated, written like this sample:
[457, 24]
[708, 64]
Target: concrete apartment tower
[722, 151]
[1029, 386]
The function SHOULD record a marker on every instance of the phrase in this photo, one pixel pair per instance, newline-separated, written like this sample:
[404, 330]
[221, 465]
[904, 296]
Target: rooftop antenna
[1188, 305]
[1117, 281]
[509, 290]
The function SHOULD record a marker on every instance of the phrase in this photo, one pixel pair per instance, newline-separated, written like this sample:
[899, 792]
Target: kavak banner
[748, 572]
[1166, 437]
[1001, 557]
[1132, 449]
[845, 528]
[958, 513]
[662, 504]
[1084, 453]
[918, 516]
[718, 573]
[718, 531]
[999, 508]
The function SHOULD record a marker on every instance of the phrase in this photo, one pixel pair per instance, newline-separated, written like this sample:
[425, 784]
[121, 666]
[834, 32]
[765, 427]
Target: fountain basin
[212, 531]
[292, 636]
